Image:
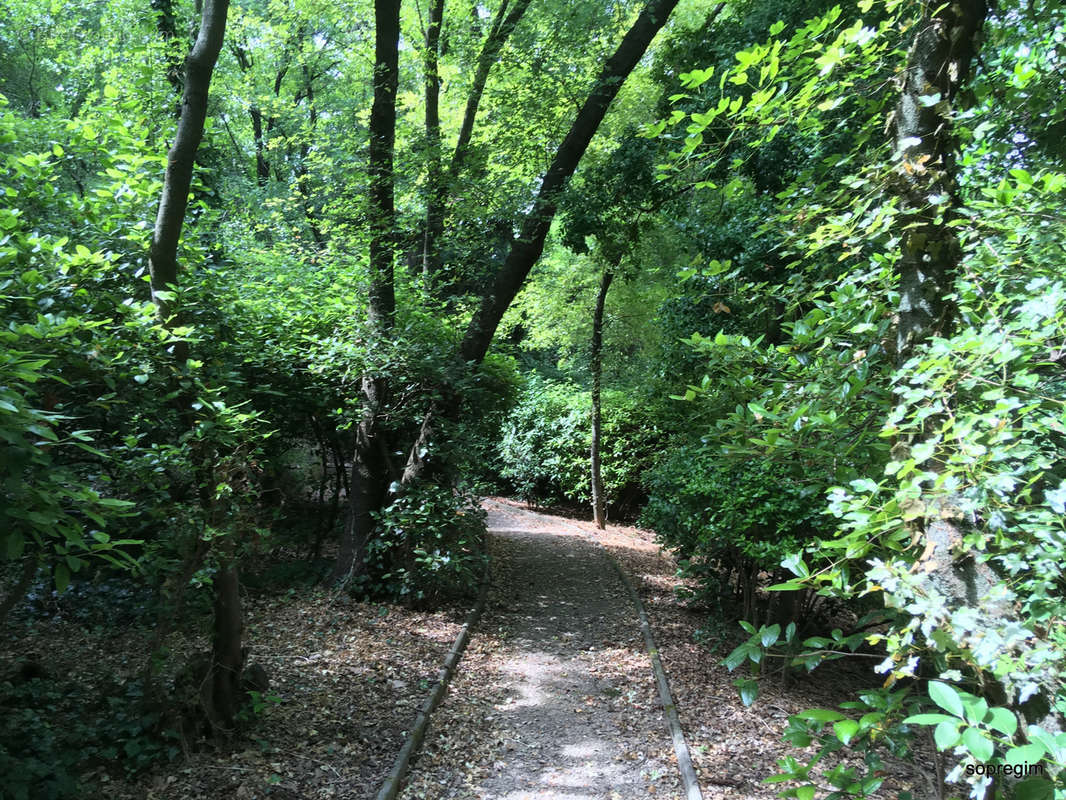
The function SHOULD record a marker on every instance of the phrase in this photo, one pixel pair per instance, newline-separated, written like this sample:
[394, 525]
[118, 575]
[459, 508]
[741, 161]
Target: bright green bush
[546, 441]
[730, 520]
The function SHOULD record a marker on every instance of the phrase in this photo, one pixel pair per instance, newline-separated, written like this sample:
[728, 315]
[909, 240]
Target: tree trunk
[163, 251]
[527, 248]
[382, 307]
[370, 472]
[525, 251]
[502, 26]
[221, 704]
[435, 190]
[926, 151]
[597, 374]
[227, 653]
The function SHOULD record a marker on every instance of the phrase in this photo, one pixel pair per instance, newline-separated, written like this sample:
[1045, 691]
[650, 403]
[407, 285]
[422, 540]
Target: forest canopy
[299, 281]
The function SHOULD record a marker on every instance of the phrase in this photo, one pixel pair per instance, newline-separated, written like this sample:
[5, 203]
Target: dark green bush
[429, 547]
[729, 521]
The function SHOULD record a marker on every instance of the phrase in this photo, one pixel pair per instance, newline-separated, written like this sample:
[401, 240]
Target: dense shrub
[546, 439]
[731, 520]
[430, 546]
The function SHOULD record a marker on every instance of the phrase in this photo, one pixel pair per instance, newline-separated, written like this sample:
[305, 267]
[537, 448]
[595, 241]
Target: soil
[556, 698]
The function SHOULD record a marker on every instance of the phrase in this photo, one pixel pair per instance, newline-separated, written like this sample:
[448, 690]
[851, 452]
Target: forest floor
[554, 698]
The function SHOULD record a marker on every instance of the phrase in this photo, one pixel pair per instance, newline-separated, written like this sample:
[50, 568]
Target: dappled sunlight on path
[572, 711]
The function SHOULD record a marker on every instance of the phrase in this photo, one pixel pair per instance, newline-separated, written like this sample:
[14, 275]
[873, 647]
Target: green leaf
[977, 744]
[845, 730]
[947, 697]
[770, 635]
[946, 735]
[62, 575]
[821, 715]
[749, 690]
[805, 792]
[1035, 789]
[1026, 754]
[929, 719]
[1002, 720]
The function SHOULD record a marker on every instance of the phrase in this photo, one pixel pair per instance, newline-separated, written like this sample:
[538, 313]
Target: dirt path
[555, 699]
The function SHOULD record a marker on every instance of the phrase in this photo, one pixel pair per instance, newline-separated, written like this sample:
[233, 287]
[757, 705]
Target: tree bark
[163, 251]
[227, 653]
[435, 189]
[597, 375]
[382, 307]
[938, 64]
[527, 248]
[369, 477]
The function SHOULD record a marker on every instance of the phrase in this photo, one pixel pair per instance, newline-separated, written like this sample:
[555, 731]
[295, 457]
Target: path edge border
[390, 788]
[677, 734]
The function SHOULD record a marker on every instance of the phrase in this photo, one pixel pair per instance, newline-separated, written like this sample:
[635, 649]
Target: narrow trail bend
[555, 699]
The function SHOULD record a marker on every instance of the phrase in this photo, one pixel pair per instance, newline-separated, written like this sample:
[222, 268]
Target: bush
[546, 440]
[430, 546]
[731, 520]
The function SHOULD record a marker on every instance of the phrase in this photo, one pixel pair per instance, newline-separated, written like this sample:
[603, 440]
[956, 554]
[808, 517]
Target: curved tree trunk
[163, 251]
[370, 473]
[598, 503]
[526, 249]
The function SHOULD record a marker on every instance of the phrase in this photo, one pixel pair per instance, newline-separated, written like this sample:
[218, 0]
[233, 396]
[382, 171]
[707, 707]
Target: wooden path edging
[394, 782]
[684, 757]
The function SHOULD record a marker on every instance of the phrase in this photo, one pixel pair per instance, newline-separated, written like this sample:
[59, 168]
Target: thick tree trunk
[527, 248]
[370, 472]
[597, 375]
[163, 251]
[435, 190]
[938, 64]
[227, 653]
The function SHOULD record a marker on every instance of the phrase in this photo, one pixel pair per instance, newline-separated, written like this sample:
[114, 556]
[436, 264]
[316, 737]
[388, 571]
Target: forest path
[555, 699]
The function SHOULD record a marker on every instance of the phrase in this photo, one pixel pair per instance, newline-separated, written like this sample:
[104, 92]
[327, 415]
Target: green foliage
[730, 520]
[545, 441]
[430, 546]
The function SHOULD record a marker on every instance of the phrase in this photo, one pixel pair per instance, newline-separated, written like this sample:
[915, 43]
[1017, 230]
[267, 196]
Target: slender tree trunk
[163, 265]
[168, 30]
[527, 248]
[507, 17]
[435, 189]
[525, 251]
[370, 468]
[597, 375]
[163, 251]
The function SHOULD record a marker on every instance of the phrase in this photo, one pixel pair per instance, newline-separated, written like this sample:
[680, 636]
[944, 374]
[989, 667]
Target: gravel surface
[556, 698]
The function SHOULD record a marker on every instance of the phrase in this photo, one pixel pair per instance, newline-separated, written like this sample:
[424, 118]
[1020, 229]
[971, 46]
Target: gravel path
[556, 698]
